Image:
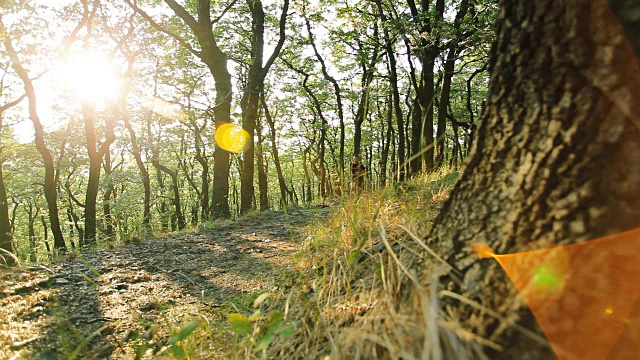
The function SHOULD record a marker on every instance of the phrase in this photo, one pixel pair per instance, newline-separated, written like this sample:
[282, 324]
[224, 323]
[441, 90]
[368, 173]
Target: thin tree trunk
[45, 229]
[96, 155]
[50, 191]
[339, 107]
[445, 92]
[276, 156]
[177, 205]
[308, 193]
[106, 199]
[389, 139]
[393, 80]
[263, 184]
[254, 88]
[6, 236]
[6, 231]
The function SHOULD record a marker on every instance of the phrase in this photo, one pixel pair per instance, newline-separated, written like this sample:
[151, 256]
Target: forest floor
[96, 305]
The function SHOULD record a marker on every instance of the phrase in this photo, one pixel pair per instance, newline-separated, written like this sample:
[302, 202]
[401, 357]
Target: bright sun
[89, 77]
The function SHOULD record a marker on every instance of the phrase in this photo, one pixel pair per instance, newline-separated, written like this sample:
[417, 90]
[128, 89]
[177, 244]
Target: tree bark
[422, 121]
[6, 236]
[555, 160]
[368, 71]
[109, 229]
[216, 61]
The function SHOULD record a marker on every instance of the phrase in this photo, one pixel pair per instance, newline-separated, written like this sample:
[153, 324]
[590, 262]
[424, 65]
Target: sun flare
[89, 77]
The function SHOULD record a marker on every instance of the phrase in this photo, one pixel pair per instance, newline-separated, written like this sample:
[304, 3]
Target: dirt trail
[47, 313]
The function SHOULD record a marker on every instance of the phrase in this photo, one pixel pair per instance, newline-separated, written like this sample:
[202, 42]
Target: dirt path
[103, 296]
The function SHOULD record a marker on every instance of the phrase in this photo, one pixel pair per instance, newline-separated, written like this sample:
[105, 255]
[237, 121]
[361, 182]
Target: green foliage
[259, 330]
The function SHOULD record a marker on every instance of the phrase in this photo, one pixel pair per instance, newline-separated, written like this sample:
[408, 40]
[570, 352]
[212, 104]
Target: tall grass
[349, 297]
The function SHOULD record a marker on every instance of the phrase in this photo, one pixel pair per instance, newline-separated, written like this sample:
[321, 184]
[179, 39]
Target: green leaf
[263, 343]
[260, 299]
[274, 321]
[287, 330]
[239, 323]
[378, 270]
[353, 258]
[184, 332]
[179, 352]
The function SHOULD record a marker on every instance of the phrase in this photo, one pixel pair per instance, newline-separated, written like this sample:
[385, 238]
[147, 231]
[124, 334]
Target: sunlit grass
[344, 295]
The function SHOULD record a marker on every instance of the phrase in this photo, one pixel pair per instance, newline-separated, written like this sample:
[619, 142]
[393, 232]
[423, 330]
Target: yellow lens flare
[586, 297]
[232, 138]
[164, 108]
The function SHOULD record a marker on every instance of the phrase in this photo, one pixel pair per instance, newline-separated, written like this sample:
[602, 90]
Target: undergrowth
[355, 292]
[348, 298]
[349, 295]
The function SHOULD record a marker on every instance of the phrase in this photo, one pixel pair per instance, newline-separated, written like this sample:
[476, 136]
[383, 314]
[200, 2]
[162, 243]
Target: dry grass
[351, 300]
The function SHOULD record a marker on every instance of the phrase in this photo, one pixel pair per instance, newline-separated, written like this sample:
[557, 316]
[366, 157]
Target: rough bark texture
[556, 156]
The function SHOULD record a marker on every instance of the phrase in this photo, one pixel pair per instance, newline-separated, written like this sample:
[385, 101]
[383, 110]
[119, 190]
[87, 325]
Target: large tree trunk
[556, 157]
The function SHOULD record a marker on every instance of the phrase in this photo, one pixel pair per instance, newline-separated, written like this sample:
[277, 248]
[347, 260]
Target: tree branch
[226, 9]
[158, 27]
[276, 51]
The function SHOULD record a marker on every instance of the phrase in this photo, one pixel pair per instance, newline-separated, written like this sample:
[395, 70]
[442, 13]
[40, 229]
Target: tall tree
[395, 90]
[6, 236]
[556, 157]
[445, 91]
[339, 106]
[202, 27]
[50, 186]
[429, 23]
[250, 101]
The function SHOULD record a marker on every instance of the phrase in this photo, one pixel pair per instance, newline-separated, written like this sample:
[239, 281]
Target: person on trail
[358, 172]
